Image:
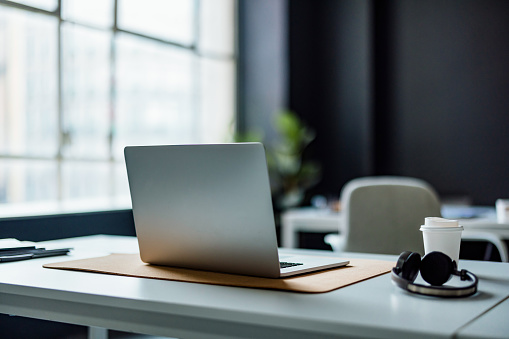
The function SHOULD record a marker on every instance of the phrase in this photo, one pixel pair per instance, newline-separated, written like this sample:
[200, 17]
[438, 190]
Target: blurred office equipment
[383, 214]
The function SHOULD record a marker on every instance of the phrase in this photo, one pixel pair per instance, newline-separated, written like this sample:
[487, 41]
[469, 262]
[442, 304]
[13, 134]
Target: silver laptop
[209, 207]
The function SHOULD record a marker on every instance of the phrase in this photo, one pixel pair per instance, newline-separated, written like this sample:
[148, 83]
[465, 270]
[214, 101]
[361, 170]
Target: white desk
[486, 225]
[495, 319]
[372, 308]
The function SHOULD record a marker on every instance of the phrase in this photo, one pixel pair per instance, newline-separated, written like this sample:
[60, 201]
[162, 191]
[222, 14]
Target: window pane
[85, 91]
[27, 180]
[217, 104]
[119, 180]
[164, 19]
[217, 27]
[82, 180]
[28, 83]
[48, 5]
[154, 95]
[93, 12]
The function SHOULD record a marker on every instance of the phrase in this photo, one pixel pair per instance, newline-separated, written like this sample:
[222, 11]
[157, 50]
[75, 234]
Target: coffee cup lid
[441, 229]
[440, 222]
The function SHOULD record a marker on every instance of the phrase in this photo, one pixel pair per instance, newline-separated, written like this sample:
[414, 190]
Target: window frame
[63, 135]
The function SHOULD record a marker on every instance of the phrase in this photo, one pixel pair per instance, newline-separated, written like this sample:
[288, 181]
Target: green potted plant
[290, 174]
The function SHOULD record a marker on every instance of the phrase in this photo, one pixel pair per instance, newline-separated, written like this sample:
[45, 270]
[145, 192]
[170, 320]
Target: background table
[309, 219]
[372, 308]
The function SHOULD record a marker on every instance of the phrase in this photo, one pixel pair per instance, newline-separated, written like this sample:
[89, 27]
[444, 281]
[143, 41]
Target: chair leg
[97, 333]
[488, 252]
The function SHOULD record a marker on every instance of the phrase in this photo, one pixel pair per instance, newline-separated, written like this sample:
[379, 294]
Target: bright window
[81, 79]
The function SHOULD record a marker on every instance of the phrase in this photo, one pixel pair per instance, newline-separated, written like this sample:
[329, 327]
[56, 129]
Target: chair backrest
[383, 214]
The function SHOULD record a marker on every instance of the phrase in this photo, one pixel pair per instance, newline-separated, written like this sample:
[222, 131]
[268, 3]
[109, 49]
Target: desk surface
[373, 308]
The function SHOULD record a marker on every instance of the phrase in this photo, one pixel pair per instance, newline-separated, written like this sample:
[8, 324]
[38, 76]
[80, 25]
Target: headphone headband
[437, 291]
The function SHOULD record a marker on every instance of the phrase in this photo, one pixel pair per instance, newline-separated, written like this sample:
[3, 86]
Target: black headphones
[436, 269]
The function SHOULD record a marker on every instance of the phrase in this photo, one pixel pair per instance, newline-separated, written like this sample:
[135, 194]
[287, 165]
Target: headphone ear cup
[436, 268]
[409, 263]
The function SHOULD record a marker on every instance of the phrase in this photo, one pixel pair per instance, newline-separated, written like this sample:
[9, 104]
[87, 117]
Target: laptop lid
[206, 207]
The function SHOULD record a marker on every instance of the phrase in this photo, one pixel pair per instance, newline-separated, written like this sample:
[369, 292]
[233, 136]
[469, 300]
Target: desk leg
[97, 333]
[290, 238]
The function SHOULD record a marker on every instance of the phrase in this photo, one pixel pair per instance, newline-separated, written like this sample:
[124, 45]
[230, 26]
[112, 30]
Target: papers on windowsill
[15, 243]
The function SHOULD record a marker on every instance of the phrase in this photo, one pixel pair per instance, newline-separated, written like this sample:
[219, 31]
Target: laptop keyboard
[285, 264]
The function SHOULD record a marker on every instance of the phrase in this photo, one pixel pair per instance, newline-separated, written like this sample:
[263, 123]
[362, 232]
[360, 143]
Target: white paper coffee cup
[502, 206]
[442, 235]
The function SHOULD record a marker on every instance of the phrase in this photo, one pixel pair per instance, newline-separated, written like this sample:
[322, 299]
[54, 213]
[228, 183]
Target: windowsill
[46, 208]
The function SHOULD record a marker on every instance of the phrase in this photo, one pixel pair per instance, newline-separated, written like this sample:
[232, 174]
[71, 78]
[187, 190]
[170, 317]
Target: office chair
[383, 215]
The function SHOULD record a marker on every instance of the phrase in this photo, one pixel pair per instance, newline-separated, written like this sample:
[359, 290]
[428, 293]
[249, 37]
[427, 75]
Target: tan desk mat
[318, 282]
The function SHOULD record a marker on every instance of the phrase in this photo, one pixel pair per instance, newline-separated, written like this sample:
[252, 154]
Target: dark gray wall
[417, 88]
[262, 65]
[330, 84]
[450, 95]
